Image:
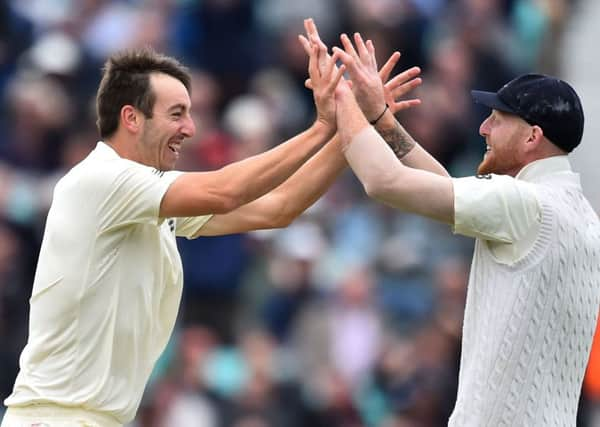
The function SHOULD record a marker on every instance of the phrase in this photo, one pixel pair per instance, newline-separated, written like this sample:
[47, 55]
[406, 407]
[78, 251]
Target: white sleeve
[494, 207]
[134, 195]
[189, 226]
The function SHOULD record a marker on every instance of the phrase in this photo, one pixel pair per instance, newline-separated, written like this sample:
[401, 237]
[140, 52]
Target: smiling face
[505, 136]
[171, 123]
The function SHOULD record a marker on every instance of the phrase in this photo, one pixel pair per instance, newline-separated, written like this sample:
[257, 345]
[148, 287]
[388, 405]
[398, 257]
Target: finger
[347, 60]
[322, 55]
[321, 44]
[387, 68]
[360, 47]
[329, 65]
[313, 33]
[308, 84]
[399, 91]
[404, 105]
[305, 43]
[313, 66]
[371, 52]
[404, 76]
[348, 47]
[311, 28]
[338, 76]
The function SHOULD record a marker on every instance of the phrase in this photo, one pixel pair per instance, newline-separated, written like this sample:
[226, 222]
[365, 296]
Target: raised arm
[221, 191]
[281, 206]
[239, 183]
[379, 102]
[383, 176]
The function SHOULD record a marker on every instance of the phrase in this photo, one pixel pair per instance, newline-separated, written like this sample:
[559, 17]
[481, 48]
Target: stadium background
[350, 317]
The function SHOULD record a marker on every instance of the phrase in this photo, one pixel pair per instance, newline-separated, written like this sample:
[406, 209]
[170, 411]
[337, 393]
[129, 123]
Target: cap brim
[490, 99]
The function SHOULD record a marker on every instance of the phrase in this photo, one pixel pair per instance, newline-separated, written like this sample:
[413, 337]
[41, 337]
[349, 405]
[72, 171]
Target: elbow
[377, 190]
[283, 221]
[283, 215]
[225, 203]
[281, 212]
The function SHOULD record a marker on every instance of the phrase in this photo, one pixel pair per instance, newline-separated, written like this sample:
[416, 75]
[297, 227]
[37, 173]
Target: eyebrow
[177, 107]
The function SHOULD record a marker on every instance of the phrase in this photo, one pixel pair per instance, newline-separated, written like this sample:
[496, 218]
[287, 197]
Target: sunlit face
[505, 135]
[171, 123]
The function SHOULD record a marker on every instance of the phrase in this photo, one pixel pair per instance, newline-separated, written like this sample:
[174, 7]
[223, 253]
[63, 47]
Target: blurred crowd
[350, 317]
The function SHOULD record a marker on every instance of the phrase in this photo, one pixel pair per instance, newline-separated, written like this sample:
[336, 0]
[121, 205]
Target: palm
[372, 88]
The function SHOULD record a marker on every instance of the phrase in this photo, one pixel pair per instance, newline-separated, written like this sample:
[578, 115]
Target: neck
[124, 148]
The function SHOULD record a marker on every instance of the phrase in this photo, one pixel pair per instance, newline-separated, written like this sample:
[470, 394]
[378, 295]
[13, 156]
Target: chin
[167, 166]
[483, 169]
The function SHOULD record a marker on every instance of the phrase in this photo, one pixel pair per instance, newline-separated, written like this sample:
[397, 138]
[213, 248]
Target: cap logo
[561, 106]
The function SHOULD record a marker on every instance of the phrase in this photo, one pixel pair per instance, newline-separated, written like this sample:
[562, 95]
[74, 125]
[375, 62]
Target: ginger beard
[504, 133]
[501, 159]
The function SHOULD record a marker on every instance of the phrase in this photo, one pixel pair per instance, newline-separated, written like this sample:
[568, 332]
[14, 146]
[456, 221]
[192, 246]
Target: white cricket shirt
[107, 288]
[532, 298]
[501, 210]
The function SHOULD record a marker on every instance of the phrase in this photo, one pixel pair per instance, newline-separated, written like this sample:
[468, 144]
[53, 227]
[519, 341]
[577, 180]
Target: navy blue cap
[548, 102]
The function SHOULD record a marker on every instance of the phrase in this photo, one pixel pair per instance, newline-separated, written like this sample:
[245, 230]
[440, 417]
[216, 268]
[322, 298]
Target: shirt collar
[106, 150]
[540, 168]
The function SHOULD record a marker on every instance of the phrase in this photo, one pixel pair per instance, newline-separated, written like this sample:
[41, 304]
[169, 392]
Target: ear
[131, 118]
[535, 138]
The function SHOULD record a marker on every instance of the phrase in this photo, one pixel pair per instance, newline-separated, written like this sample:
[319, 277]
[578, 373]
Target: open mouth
[175, 147]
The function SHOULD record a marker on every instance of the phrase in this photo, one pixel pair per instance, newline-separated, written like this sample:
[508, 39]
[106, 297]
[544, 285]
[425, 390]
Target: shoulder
[95, 175]
[492, 185]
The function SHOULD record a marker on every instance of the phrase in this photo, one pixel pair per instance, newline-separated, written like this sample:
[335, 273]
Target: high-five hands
[325, 76]
[372, 89]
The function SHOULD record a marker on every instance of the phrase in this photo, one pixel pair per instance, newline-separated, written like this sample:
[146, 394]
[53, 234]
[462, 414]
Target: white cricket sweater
[528, 326]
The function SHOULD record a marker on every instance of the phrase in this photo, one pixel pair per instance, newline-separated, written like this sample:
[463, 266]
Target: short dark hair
[126, 81]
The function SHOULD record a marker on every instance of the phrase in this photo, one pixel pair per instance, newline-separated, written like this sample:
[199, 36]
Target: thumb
[308, 84]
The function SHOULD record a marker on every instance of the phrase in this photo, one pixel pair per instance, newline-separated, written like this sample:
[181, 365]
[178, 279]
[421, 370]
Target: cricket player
[109, 277]
[534, 287]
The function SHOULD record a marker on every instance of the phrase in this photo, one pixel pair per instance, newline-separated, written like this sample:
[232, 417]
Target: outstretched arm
[222, 191]
[379, 99]
[383, 176]
[281, 206]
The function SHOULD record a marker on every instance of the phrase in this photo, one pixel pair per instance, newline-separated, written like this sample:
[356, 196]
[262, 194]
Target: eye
[176, 114]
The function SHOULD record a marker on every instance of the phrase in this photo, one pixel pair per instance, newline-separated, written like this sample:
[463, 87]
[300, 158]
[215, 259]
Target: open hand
[371, 87]
[400, 85]
[324, 76]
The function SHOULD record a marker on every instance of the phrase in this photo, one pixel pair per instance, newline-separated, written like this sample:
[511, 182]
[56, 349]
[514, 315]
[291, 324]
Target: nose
[484, 128]
[189, 128]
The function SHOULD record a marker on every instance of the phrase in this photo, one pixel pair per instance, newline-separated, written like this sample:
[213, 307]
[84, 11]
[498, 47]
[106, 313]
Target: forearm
[373, 162]
[390, 182]
[257, 175]
[311, 181]
[281, 206]
[405, 147]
